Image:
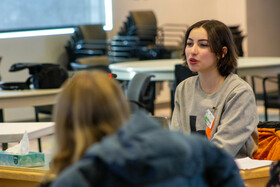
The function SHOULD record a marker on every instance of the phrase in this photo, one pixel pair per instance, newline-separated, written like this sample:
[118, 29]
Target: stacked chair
[138, 39]
[173, 37]
[88, 46]
[238, 38]
[123, 48]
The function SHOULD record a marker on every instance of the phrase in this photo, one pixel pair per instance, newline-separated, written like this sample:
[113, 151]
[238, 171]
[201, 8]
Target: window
[22, 15]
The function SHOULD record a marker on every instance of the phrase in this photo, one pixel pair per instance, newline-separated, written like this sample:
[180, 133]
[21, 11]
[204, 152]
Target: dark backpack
[43, 76]
[48, 76]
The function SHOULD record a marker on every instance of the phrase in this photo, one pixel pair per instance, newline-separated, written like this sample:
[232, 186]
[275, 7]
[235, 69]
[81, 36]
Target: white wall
[234, 13]
[263, 27]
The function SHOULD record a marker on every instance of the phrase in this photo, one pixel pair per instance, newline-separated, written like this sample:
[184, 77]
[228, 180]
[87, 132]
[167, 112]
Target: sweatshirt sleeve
[238, 123]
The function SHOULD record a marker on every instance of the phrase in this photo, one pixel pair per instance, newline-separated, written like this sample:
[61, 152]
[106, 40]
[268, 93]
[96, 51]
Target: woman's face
[199, 56]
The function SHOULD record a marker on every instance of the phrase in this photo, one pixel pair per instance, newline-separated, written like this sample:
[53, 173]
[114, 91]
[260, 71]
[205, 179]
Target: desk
[23, 98]
[13, 132]
[23, 177]
[163, 69]
[256, 177]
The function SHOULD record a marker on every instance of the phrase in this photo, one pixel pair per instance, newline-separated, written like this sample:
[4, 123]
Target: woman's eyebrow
[200, 40]
[203, 40]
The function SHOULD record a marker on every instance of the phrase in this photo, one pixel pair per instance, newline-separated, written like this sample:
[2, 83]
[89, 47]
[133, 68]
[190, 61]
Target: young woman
[216, 102]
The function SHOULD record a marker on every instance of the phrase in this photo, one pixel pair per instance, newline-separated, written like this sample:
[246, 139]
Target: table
[23, 98]
[13, 132]
[28, 177]
[256, 177]
[22, 176]
[163, 69]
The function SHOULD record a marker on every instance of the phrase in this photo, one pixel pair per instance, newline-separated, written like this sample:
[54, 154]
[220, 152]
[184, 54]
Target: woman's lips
[193, 61]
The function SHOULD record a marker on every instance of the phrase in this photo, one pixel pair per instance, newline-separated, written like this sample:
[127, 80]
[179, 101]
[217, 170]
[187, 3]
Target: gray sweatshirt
[233, 106]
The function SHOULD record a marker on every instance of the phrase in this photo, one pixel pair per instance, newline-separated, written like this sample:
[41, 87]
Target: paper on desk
[248, 163]
[22, 148]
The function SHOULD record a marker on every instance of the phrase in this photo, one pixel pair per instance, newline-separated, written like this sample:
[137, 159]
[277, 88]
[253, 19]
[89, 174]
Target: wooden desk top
[22, 173]
[33, 176]
[256, 177]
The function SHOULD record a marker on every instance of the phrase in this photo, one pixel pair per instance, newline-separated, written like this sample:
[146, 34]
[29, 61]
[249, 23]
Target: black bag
[43, 76]
[48, 76]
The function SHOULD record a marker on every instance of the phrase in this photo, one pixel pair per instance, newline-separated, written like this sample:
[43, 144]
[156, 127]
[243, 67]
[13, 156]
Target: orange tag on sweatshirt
[209, 120]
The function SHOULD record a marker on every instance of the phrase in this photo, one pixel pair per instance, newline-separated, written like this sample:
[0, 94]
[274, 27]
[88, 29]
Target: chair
[140, 92]
[77, 67]
[181, 73]
[144, 26]
[237, 38]
[141, 26]
[271, 99]
[91, 37]
[173, 36]
[1, 110]
[48, 110]
[164, 121]
[123, 48]
[258, 95]
[88, 45]
[74, 53]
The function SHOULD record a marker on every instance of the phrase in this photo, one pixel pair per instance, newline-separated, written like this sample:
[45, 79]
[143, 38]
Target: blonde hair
[90, 106]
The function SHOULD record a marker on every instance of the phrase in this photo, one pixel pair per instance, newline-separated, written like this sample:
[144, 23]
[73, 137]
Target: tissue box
[29, 160]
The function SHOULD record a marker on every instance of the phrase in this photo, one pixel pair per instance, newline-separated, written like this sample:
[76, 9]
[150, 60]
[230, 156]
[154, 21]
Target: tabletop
[13, 132]
[24, 98]
[163, 69]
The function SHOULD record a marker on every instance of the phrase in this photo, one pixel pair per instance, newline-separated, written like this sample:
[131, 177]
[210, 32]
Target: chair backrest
[164, 121]
[92, 32]
[181, 73]
[123, 48]
[144, 26]
[137, 90]
[77, 67]
[145, 17]
[91, 37]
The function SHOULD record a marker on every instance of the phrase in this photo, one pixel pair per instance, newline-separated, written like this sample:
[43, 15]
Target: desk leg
[4, 145]
[1, 115]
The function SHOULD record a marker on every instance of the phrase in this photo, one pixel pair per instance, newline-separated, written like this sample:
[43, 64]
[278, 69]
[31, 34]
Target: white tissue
[22, 148]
